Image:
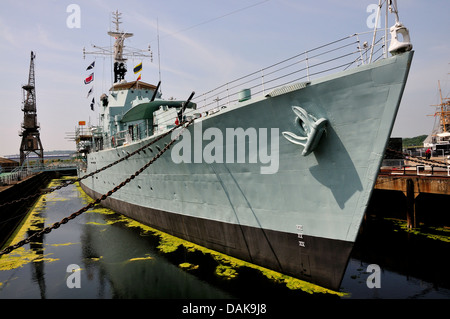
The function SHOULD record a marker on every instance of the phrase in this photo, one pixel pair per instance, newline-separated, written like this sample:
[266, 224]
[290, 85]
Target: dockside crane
[31, 141]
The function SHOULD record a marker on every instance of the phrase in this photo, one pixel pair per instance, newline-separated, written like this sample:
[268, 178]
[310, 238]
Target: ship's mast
[118, 51]
[120, 67]
[444, 112]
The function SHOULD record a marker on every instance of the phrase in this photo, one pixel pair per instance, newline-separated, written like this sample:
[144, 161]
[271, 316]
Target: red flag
[139, 77]
[89, 79]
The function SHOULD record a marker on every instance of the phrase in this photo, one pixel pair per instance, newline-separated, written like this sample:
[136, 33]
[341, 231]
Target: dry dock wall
[12, 214]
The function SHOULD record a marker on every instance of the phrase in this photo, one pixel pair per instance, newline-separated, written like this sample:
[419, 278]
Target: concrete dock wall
[12, 214]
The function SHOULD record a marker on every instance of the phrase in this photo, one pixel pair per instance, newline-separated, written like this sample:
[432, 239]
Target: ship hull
[296, 214]
[324, 265]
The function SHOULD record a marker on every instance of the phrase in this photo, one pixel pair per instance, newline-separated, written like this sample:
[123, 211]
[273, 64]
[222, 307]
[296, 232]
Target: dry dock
[14, 207]
[413, 182]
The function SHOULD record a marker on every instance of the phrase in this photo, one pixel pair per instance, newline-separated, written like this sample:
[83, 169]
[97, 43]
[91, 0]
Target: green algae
[226, 272]
[100, 224]
[63, 244]
[21, 256]
[42, 259]
[94, 258]
[140, 258]
[188, 266]
[430, 232]
[228, 266]
[32, 222]
[18, 258]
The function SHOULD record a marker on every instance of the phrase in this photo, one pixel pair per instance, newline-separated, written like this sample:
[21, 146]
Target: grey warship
[276, 169]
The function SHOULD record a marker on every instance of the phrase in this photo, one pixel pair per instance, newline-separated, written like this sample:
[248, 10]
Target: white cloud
[7, 36]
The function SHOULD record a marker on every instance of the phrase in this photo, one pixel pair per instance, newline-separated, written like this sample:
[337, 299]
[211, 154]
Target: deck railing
[19, 173]
[348, 52]
[345, 53]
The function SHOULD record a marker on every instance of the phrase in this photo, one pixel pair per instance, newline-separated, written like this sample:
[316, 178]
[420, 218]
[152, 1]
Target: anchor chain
[48, 191]
[65, 220]
[417, 159]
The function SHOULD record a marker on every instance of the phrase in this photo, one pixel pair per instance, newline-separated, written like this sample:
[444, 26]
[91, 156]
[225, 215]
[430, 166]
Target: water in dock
[103, 255]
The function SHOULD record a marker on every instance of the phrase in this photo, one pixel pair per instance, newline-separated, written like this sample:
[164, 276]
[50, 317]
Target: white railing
[19, 173]
[349, 52]
[14, 176]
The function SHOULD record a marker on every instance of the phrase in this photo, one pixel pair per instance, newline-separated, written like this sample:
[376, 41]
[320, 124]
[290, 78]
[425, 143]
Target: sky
[202, 44]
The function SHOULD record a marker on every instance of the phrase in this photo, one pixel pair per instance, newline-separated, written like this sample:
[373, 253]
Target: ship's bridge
[137, 85]
[122, 97]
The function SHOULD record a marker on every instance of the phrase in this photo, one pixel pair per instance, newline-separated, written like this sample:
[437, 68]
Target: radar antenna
[119, 51]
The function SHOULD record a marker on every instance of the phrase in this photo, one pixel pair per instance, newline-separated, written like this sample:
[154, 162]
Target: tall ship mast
[439, 139]
[275, 168]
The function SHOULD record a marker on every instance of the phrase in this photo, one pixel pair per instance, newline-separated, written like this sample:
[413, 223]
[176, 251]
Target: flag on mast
[137, 68]
[91, 66]
[89, 79]
[90, 92]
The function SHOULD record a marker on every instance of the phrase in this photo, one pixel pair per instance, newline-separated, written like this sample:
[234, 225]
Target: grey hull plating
[301, 220]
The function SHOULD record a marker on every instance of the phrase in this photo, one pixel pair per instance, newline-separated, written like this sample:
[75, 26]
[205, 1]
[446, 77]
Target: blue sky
[203, 44]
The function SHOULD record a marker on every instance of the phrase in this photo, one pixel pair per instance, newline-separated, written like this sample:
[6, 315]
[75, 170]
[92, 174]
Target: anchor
[313, 127]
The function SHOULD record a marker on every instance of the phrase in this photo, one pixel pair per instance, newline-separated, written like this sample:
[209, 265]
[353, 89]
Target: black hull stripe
[321, 261]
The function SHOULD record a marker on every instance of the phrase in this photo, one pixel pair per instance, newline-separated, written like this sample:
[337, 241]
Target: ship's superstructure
[276, 170]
